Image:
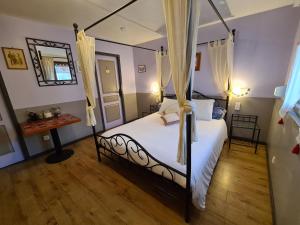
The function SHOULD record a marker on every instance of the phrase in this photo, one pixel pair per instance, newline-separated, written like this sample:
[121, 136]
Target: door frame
[13, 118]
[120, 86]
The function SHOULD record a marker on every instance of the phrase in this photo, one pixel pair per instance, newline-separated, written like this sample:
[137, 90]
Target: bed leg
[96, 143]
[187, 215]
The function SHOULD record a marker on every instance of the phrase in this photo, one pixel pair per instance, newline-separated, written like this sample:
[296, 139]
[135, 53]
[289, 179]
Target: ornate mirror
[52, 62]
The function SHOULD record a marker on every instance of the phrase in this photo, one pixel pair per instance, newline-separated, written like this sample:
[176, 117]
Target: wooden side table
[37, 127]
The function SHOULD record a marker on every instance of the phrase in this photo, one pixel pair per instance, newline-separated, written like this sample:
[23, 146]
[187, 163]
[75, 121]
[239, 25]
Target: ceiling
[141, 22]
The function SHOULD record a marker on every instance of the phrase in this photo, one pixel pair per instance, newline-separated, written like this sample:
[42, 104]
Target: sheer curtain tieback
[189, 107]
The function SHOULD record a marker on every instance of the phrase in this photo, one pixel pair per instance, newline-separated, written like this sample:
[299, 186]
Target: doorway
[109, 85]
[10, 148]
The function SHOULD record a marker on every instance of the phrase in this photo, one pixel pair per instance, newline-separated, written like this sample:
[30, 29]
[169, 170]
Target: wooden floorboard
[83, 191]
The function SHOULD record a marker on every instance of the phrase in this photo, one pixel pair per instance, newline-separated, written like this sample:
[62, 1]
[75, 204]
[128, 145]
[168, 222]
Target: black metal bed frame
[113, 143]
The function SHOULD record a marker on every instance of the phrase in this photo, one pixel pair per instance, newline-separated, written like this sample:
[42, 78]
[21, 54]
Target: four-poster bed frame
[107, 146]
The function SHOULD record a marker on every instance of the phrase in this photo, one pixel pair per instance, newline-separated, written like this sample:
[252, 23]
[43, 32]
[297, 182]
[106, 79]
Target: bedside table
[154, 107]
[246, 122]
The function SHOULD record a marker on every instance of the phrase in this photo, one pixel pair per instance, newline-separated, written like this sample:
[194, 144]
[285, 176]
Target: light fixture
[107, 71]
[240, 92]
[155, 91]
[155, 88]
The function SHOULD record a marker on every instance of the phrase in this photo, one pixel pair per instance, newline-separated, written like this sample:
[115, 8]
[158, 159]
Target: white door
[109, 90]
[10, 149]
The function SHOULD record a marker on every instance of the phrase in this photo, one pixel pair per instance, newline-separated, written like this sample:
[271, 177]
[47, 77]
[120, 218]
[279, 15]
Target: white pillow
[204, 108]
[170, 118]
[168, 106]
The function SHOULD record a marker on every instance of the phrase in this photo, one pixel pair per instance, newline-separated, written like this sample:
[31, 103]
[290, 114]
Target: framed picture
[141, 68]
[198, 61]
[14, 58]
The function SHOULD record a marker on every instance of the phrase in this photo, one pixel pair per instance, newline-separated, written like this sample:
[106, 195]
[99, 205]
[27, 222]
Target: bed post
[93, 127]
[161, 82]
[188, 159]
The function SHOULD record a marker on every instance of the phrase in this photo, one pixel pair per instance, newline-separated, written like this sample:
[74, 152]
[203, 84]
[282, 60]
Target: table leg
[257, 141]
[60, 154]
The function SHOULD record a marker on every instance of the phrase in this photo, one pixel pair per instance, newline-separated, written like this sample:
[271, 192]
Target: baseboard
[271, 190]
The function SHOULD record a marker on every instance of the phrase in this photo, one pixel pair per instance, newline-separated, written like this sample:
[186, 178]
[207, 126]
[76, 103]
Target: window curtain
[162, 70]
[86, 55]
[182, 18]
[48, 66]
[221, 61]
[292, 93]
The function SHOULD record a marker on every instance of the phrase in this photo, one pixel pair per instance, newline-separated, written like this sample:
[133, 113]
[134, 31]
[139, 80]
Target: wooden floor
[83, 191]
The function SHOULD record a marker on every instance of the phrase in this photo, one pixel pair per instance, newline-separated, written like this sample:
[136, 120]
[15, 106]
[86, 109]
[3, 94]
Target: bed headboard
[219, 101]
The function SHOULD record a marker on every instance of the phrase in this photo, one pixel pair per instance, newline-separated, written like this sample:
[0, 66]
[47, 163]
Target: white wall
[22, 84]
[262, 50]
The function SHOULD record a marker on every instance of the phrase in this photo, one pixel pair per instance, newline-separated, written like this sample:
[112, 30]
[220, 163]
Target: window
[62, 71]
[292, 94]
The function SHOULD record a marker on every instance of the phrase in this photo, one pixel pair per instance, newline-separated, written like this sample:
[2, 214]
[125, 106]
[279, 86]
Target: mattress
[161, 142]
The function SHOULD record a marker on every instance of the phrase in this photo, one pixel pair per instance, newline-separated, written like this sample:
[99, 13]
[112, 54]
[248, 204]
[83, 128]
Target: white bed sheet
[161, 142]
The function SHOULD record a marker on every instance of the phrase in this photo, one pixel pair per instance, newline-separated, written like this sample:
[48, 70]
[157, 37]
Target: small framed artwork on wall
[141, 68]
[14, 58]
[198, 61]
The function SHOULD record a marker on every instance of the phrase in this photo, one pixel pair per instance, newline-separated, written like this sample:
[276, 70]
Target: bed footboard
[124, 146]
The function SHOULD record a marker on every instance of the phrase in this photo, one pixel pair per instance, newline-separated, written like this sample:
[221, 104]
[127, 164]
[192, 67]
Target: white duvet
[161, 142]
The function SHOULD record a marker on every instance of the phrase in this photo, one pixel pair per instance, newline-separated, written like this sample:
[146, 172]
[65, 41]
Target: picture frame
[141, 68]
[14, 58]
[198, 61]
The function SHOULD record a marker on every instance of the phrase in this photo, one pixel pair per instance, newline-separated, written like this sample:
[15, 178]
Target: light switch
[46, 138]
[237, 106]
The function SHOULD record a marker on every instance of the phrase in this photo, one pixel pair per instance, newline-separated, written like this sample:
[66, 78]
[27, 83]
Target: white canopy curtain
[163, 71]
[182, 18]
[221, 61]
[48, 66]
[86, 55]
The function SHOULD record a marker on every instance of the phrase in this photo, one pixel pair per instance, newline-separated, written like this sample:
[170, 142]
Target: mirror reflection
[54, 63]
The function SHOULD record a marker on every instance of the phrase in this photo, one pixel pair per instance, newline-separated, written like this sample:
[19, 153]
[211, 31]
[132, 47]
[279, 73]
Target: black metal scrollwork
[32, 43]
[126, 147]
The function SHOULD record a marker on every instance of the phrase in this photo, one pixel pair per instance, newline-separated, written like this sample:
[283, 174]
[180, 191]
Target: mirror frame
[32, 43]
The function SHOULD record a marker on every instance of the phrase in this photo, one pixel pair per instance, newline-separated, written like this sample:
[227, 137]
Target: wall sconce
[240, 92]
[155, 90]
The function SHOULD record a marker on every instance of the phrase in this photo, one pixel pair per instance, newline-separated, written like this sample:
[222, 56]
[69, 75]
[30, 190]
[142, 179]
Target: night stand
[154, 108]
[246, 122]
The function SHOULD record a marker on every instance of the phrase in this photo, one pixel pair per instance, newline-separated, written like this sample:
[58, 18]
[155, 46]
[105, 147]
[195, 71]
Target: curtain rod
[109, 15]
[219, 15]
[119, 43]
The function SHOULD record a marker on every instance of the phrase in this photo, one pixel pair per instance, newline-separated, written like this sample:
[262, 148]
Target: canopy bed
[199, 142]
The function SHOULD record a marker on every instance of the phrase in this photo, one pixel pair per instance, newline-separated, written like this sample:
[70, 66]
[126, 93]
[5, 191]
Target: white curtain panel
[162, 70]
[182, 18]
[292, 93]
[86, 55]
[48, 66]
[221, 61]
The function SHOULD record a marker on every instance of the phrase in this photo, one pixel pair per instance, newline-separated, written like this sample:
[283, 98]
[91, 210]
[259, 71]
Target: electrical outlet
[46, 138]
[273, 160]
[237, 106]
